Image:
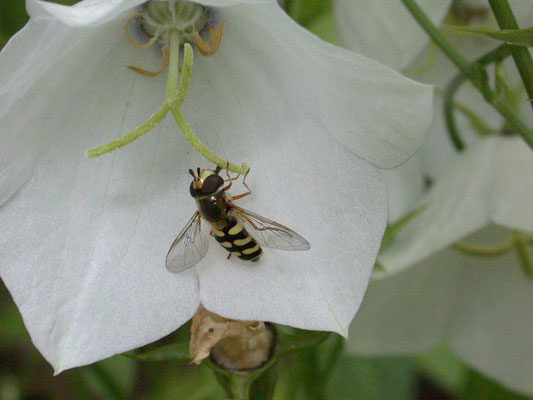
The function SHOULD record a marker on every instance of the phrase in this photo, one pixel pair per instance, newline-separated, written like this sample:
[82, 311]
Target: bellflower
[455, 272]
[83, 242]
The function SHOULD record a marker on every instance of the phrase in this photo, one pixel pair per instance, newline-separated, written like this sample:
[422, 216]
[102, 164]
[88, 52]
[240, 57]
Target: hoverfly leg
[228, 257]
[240, 196]
[230, 179]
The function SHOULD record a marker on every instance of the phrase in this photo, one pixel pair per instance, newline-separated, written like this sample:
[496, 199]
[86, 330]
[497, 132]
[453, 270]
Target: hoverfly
[240, 232]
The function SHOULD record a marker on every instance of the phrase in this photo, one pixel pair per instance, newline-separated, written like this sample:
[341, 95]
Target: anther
[150, 74]
[215, 37]
[146, 45]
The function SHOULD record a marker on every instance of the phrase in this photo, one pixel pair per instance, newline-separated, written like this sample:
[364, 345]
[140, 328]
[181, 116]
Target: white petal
[84, 13]
[523, 11]
[405, 186]
[483, 307]
[489, 182]
[98, 12]
[409, 311]
[83, 242]
[513, 185]
[385, 30]
[279, 71]
[491, 329]
[336, 201]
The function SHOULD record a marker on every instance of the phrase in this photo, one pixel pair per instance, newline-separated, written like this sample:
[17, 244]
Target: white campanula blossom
[83, 242]
[437, 286]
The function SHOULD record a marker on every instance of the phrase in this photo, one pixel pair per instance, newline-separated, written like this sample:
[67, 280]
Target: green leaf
[520, 37]
[443, 367]
[480, 387]
[390, 378]
[113, 378]
[305, 11]
[3, 39]
[324, 27]
[176, 351]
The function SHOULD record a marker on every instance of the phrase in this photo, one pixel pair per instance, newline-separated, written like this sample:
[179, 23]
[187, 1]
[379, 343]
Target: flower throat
[160, 17]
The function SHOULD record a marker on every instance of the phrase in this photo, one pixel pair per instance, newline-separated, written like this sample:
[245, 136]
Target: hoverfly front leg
[230, 179]
[240, 196]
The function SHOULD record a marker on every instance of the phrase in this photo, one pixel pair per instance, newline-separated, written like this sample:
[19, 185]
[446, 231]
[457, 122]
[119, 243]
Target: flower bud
[233, 345]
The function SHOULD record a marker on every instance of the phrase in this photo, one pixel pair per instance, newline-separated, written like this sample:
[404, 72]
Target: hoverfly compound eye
[212, 183]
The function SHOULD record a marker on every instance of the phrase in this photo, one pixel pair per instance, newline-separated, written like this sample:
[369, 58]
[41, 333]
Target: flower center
[463, 12]
[160, 17]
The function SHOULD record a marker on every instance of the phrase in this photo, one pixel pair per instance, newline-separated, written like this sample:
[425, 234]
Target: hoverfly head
[206, 182]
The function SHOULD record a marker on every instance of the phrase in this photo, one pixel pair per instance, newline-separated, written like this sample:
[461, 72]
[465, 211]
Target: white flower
[83, 242]
[481, 306]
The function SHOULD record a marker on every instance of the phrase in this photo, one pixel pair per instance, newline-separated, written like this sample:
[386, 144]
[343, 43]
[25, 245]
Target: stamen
[214, 37]
[146, 45]
[166, 60]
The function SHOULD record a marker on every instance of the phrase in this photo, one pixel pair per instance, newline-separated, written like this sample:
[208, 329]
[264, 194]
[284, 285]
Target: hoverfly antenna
[192, 173]
[198, 170]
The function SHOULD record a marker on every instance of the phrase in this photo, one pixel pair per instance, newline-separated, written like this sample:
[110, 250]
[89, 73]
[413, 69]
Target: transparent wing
[269, 233]
[189, 247]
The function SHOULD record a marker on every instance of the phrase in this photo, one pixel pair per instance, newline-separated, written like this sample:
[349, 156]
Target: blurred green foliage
[13, 16]
[315, 372]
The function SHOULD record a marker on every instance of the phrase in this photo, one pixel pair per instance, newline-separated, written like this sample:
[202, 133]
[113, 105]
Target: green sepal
[174, 347]
[291, 339]
[256, 383]
[518, 37]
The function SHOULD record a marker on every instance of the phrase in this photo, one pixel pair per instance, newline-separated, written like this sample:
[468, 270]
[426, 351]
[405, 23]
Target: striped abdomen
[234, 238]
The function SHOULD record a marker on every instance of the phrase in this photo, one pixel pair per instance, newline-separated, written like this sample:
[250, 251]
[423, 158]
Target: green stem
[473, 72]
[439, 39]
[522, 251]
[449, 111]
[522, 58]
[476, 121]
[496, 55]
[240, 387]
